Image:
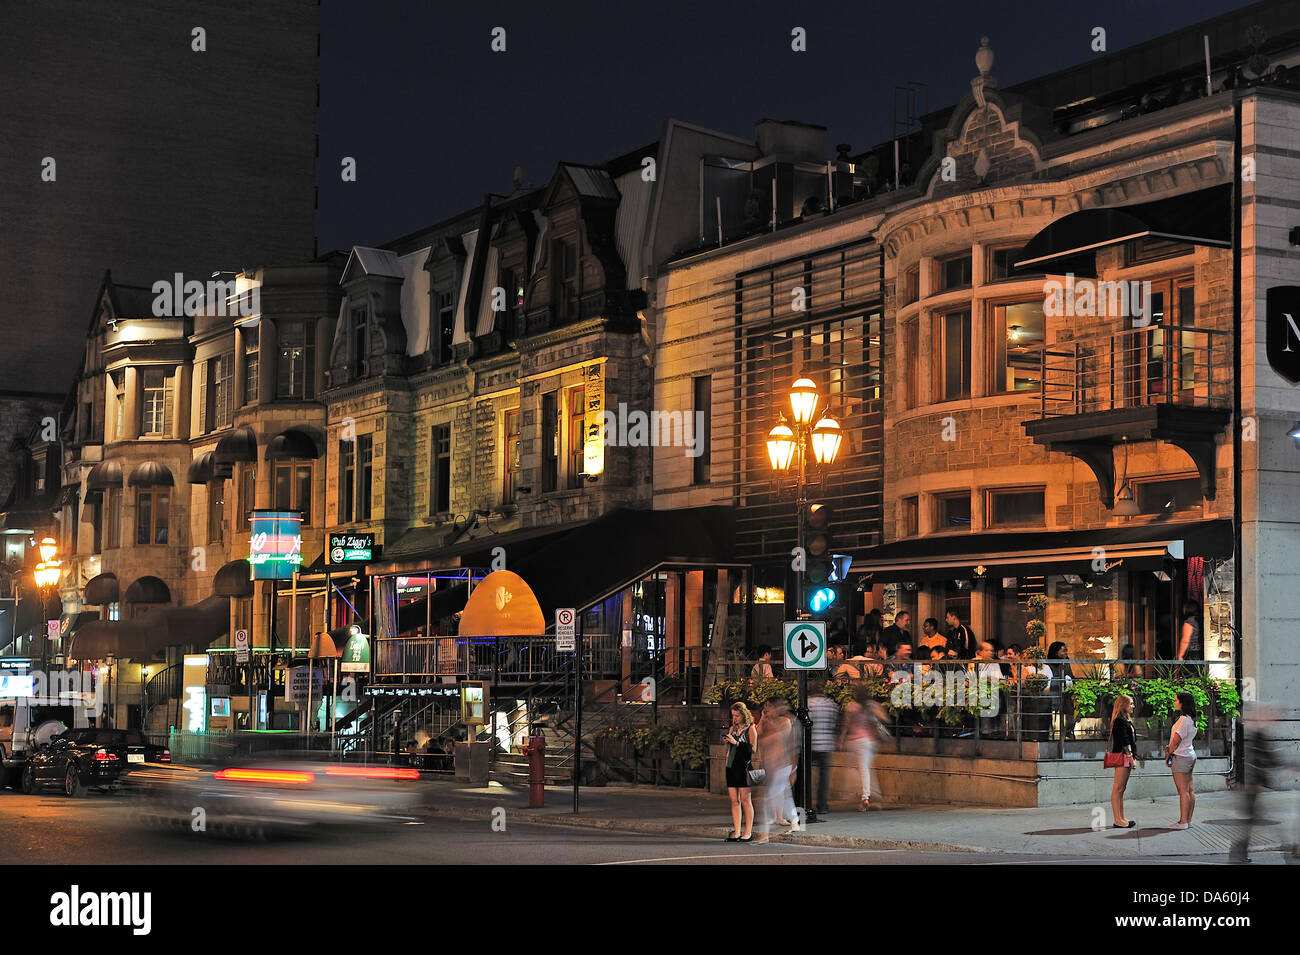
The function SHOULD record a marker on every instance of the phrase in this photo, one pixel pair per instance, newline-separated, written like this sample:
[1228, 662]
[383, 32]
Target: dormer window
[564, 279]
[360, 344]
[446, 328]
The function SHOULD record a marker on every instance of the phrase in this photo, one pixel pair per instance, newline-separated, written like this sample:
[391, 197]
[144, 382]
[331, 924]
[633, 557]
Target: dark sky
[435, 119]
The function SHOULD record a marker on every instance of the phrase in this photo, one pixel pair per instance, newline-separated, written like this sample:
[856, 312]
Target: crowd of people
[763, 754]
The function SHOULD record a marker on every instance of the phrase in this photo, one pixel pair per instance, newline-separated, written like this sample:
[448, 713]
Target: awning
[502, 605]
[144, 637]
[233, 580]
[100, 639]
[101, 590]
[105, 475]
[1070, 244]
[34, 515]
[578, 565]
[72, 622]
[293, 444]
[147, 590]
[151, 474]
[238, 446]
[204, 469]
[1003, 554]
[29, 616]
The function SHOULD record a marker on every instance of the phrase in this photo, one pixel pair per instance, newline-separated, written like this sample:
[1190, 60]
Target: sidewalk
[1061, 830]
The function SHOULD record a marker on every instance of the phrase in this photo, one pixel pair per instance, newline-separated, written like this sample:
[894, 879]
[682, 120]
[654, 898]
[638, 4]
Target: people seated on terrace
[1059, 672]
[1011, 658]
[839, 669]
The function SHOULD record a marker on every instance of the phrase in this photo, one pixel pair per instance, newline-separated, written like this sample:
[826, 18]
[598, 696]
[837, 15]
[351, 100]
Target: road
[99, 829]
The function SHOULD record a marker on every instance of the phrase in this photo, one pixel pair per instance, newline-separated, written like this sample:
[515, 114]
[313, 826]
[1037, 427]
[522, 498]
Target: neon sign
[275, 544]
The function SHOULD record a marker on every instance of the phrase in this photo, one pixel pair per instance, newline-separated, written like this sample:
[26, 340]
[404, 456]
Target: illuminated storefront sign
[593, 448]
[350, 548]
[275, 545]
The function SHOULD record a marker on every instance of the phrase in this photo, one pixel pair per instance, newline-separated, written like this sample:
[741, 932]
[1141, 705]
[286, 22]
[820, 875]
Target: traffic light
[819, 563]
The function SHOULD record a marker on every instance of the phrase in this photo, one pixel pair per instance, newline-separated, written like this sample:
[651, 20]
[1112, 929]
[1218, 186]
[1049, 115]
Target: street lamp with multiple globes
[46, 575]
[810, 432]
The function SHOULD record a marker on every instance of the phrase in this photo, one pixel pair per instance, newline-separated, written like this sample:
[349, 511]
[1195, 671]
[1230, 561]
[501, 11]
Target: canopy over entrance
[502, 605]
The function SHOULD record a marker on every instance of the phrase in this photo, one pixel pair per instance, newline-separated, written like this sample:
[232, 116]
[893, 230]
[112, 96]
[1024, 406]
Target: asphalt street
[101, 829]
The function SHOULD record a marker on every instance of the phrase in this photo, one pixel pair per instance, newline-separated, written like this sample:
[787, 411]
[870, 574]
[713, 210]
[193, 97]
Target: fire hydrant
[536, 750]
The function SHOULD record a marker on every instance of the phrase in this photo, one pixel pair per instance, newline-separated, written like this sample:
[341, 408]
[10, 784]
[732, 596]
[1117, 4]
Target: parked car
[79, 759]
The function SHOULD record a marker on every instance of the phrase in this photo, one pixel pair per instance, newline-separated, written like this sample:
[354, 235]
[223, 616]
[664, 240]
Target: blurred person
[762, 670]
[858, 736]
[1123, 740]
[825, 715]
[1261, 771]
[741, 738]
[776, 752]
[1180, 757]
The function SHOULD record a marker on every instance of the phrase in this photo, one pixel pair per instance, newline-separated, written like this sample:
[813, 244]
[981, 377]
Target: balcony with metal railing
[1159, 382]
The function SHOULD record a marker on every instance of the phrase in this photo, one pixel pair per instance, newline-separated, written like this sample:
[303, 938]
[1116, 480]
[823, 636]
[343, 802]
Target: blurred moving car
[257, 796]
[84, 758]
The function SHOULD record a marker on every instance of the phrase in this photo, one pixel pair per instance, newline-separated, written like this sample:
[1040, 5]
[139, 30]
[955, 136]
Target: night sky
[435, 119]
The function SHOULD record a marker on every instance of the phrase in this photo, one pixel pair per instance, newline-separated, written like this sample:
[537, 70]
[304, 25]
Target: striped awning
[105, 475]
[151, 474]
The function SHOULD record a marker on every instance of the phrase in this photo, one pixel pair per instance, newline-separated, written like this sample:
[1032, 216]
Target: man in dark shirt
[897, 632]
[959, 637]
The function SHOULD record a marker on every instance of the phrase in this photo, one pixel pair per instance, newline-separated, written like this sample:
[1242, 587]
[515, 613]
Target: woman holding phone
[741, 738]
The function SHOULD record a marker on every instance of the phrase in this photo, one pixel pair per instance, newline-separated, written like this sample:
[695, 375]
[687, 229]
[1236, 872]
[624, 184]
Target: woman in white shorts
[1181, 758]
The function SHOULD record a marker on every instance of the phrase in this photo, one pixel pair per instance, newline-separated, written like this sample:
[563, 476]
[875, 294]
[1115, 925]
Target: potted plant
[1035, 704]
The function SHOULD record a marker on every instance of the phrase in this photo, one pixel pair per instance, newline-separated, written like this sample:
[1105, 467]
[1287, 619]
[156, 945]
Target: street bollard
[536, 772]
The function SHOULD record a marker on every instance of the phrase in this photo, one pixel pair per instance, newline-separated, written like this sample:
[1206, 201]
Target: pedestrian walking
[741, 738]
[1123, 752]
[862, 720]
[1180, 757]
[1261, 764]
[776, 753]
[825, 723]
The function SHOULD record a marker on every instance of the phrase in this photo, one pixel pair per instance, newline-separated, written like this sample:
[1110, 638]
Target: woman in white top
[1180, 757]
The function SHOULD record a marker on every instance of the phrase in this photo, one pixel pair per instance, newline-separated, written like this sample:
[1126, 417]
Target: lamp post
[809, 432]
[46, 575]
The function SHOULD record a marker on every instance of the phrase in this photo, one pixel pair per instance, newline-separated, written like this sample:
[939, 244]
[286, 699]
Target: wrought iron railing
[1137, 367]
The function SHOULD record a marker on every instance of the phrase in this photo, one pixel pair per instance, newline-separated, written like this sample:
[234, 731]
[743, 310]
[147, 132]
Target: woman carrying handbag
[1123, 744]
[741, 739]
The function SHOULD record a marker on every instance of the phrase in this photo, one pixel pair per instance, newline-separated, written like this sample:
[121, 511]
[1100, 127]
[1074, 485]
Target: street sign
[241, 646]
[565, 630]
[805, 644]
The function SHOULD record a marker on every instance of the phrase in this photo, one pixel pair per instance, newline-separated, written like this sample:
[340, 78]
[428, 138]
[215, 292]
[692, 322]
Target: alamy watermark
[654, 429]
[948, 688]
[176, 297]
[1093, 298]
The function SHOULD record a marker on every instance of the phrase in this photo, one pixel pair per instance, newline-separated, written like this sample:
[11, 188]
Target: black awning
[151, 474]
[240, 446]
[581, 564]
[100, 639]
[105, 475]
[72, 622]
[102, 590]
[34, 515]
[1006, 554]
[1070, 243]
[145, 637]
[204, 469]
[293, 444]
[233, 580]
[147, 590]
